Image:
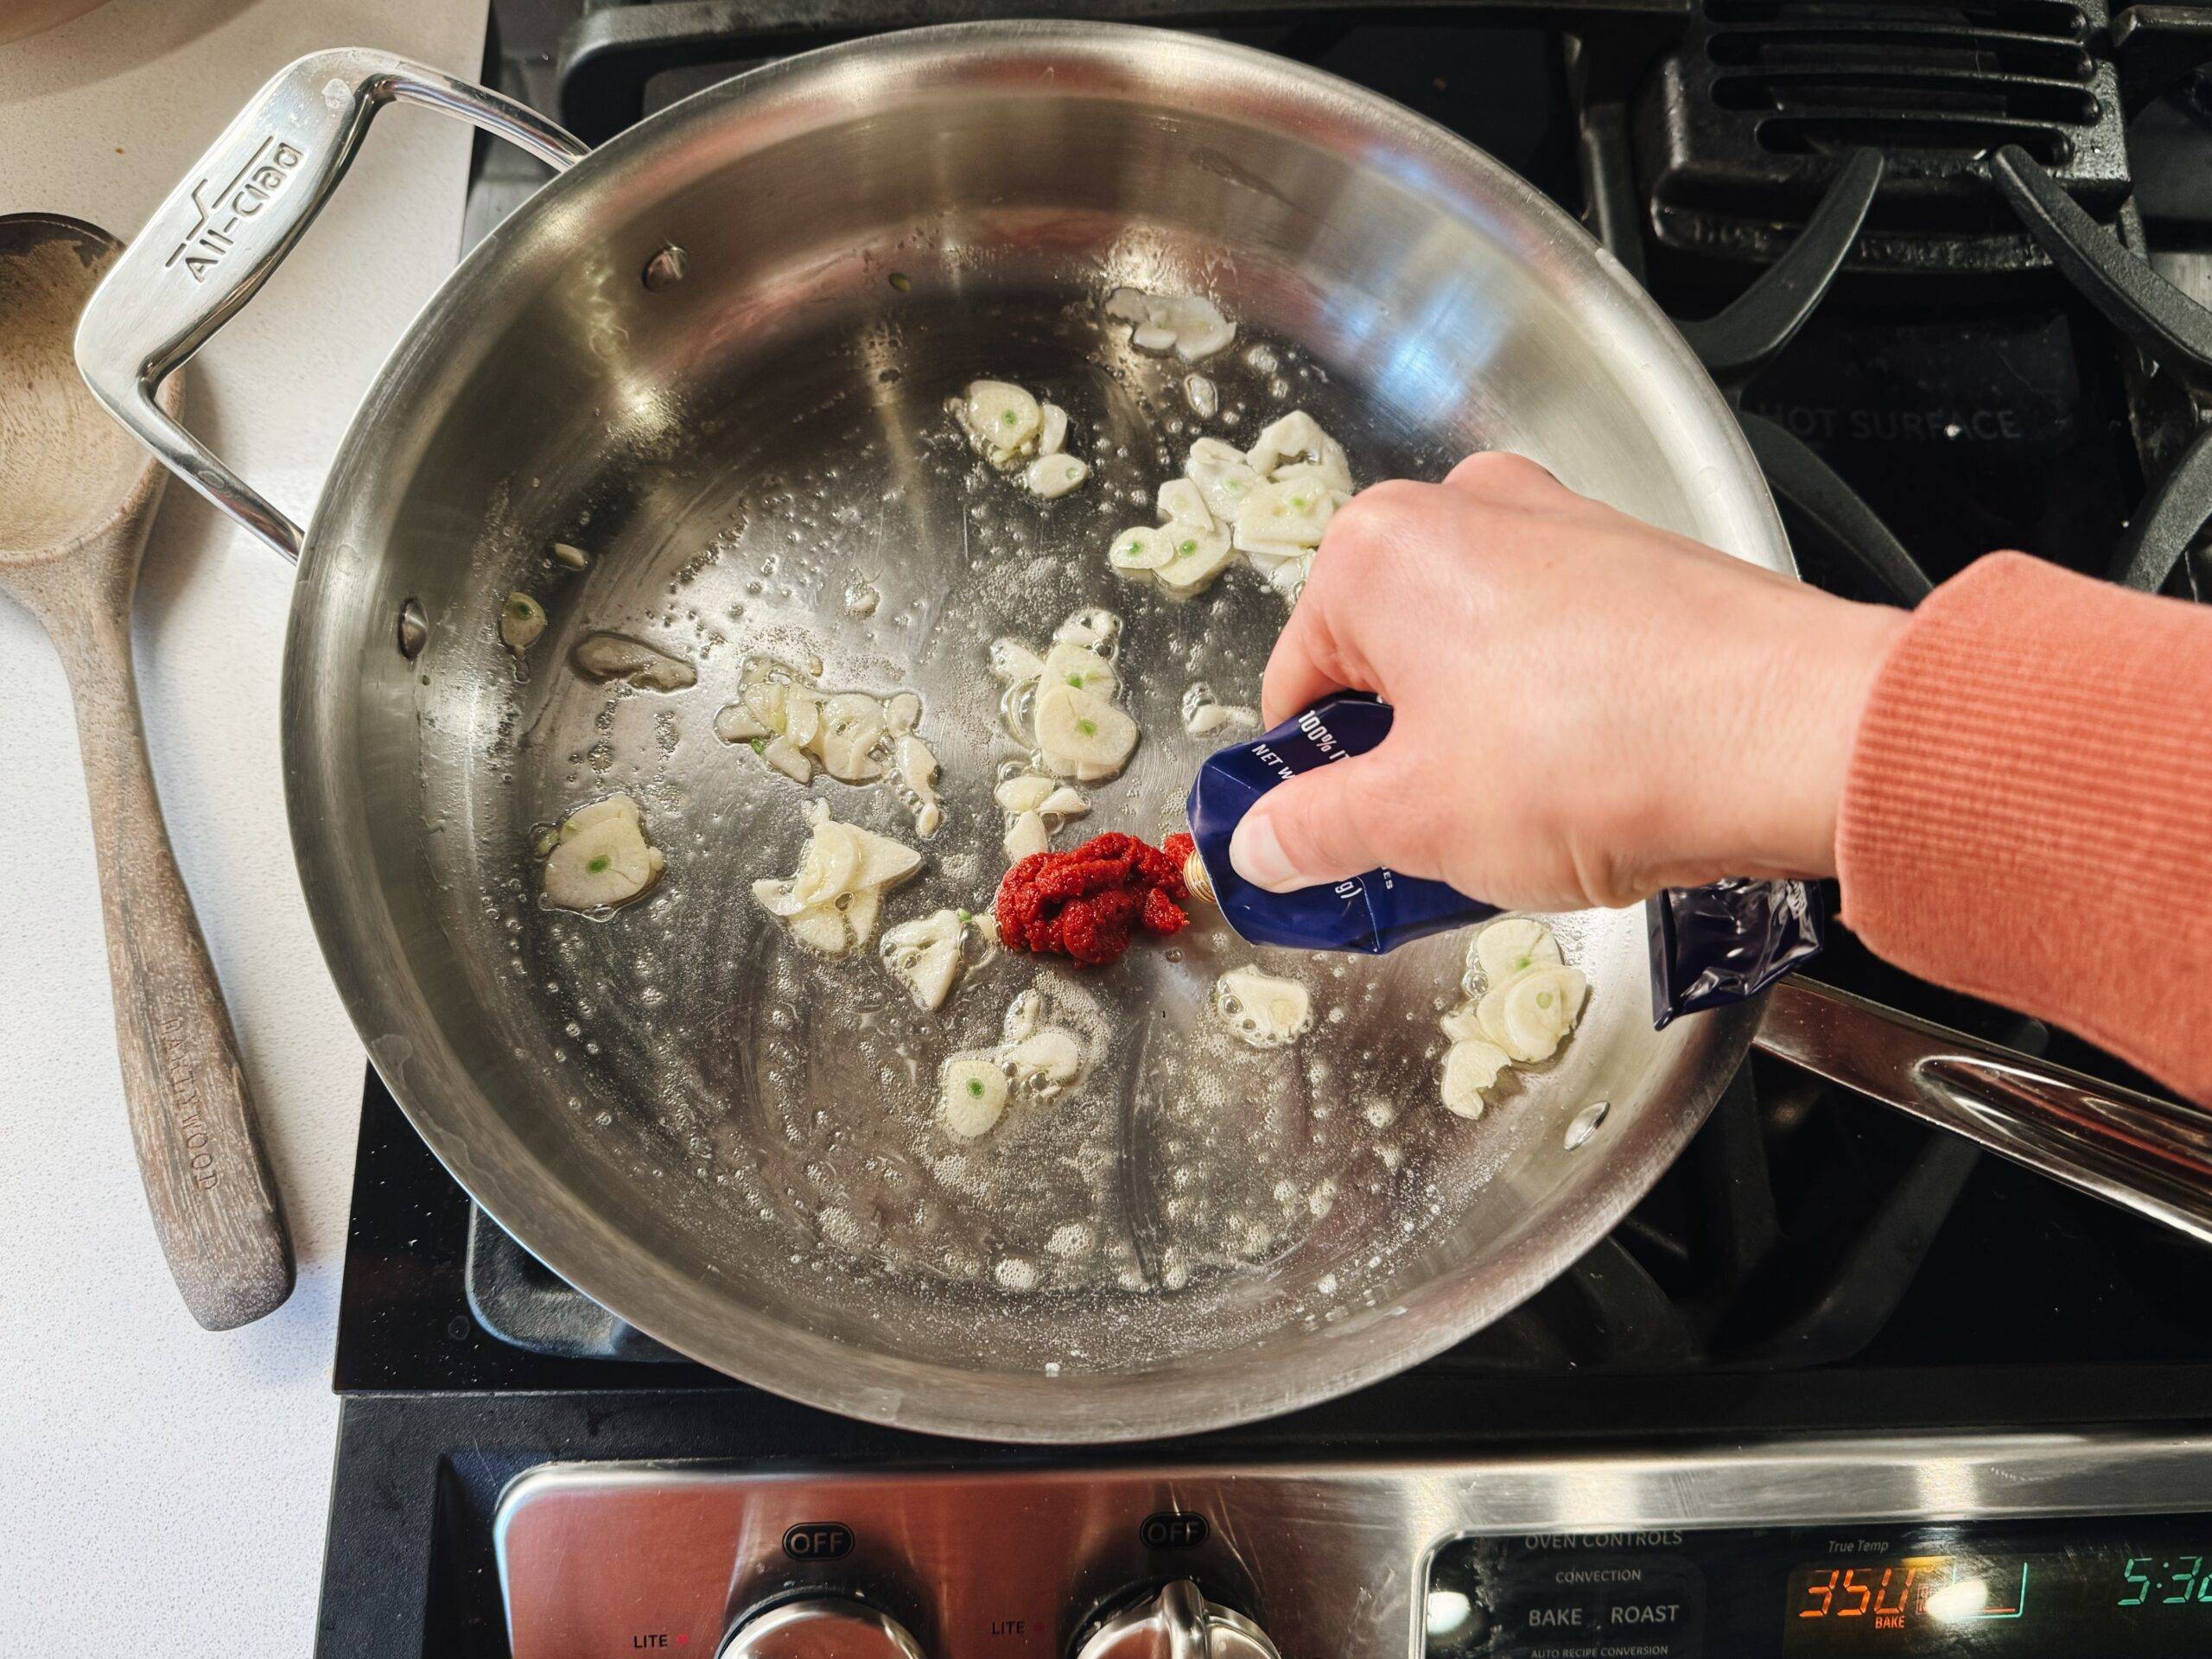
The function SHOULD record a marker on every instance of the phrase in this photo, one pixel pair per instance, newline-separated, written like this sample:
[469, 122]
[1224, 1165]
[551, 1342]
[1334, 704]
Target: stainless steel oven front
[2070, 1544]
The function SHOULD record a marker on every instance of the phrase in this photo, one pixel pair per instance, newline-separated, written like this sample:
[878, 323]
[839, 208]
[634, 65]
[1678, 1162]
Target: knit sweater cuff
[2027, 815]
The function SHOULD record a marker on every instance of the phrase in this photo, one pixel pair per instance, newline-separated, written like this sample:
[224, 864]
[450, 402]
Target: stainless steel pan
[713, 352]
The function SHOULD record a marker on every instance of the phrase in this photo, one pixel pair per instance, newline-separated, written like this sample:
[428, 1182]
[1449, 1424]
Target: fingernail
[1256, 854]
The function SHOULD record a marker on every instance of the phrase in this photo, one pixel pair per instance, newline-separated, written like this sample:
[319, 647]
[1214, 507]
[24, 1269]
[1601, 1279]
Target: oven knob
[1178, 1622]
[821, 1627]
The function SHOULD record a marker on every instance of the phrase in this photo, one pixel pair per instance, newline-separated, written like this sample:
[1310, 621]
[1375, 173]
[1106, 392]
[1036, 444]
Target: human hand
[1587, 709]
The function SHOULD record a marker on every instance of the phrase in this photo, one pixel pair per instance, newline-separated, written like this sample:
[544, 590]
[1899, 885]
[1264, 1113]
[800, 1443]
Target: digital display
[2119, 1588]
[2084, 1601]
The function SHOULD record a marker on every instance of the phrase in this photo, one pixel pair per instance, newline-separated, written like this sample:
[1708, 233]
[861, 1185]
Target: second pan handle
[2146, 1155]
[209, 247]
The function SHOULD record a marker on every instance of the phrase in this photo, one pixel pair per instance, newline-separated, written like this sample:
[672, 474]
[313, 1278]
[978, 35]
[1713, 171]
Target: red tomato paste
[1084, 902]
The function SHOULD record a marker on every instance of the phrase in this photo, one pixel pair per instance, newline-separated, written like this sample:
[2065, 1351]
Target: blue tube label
[1376, 911]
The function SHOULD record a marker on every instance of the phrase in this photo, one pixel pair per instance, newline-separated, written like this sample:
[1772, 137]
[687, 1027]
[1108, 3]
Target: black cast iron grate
[1751, 116]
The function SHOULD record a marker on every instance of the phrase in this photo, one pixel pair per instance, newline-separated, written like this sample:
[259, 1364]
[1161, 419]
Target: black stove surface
[1814, 1262]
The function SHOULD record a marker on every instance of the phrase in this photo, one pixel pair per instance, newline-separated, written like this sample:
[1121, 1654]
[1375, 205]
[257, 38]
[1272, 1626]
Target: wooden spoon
[77, 496]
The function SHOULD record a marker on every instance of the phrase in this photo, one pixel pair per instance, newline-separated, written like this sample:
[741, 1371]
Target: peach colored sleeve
[2028, 813]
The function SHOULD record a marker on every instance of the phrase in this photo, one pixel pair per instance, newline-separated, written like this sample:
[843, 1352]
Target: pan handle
[207, 249]
[2149, 1155]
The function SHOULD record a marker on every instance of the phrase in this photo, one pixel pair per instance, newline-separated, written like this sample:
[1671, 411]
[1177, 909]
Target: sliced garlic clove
[1014, 662]
[1264, 1010]
[1539, 1009]
[1284, 515]
[923, 956]
[1128, 305]
[822, 929]
[884, 862]
[917, 766]
[1336, 478]
[1081, 667]
[1081, 735]
[617, 657]
[802, 717]
[1027, 835]
[852, 730]
[1051, 477]
[832, 864]
[1023, 793]
[766, 699]
[1489, 1019]
[1297, 440]
[1511, 946]
[788, 759]
[902, 712]
[1267, 557]
[1065, 803]
[1093, 626]
[1051, 1056]
[1023, 1015]
[970, 1097]
[614, 806]
[1204, 714]
[1223, 475]
[601, 858]
[736, 723]
[777, 898]
[1180, 501]
[1195, 557]
[1471, 1068]
[1219, 717]
[1052, 430]
[1001, 416]
[522, 619]
[1141, 548]
[1199, 328]
[566, 553]
[1461, 1025]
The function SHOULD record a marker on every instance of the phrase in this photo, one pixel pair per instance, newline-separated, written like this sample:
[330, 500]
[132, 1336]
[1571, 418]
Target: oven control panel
[1970, 1548]
[2072, 1589]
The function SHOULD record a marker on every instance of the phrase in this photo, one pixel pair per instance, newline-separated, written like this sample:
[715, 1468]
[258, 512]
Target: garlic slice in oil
[1471, 1068]
[1050, 477]
[1264, 1010]
[927, 955]
[522, 619]
[971, 1097]
[601, 858]
[1000, 417]
[1511, 946]
[606, 656]
[1082, 735]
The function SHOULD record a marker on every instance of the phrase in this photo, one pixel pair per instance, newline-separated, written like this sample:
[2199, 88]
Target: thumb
[1342, 819]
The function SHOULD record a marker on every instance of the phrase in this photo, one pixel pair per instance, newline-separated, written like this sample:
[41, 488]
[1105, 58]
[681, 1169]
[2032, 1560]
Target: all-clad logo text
[248, 191]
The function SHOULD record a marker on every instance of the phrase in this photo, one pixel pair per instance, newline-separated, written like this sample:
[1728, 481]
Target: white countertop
[165, 1488]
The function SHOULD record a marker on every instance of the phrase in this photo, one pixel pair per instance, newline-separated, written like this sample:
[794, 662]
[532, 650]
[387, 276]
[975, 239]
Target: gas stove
[1840, 1385]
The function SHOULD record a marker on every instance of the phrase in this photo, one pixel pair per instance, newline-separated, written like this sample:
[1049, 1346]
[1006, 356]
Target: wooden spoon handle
[215, 1206]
